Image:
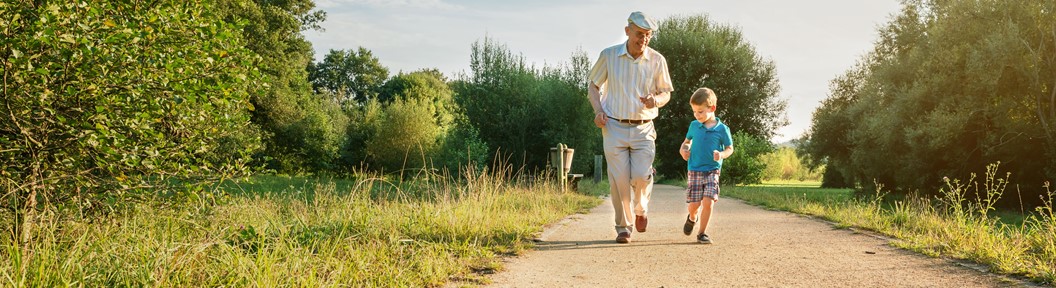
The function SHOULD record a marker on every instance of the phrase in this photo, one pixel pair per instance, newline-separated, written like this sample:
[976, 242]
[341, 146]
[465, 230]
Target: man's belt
[629, 121]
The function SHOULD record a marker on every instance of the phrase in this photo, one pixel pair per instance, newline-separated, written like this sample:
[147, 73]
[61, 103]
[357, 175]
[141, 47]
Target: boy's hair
[704, 96]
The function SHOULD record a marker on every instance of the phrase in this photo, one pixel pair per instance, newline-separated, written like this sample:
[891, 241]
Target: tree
[498, 98]
[428, 86]
[406, 138]
[521, 112]
[950, 87]
[350, 76]
[284, 104]
[717, 57]
[103, 100]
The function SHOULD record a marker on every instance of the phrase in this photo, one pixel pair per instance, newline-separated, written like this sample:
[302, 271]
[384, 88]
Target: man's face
[637, 38]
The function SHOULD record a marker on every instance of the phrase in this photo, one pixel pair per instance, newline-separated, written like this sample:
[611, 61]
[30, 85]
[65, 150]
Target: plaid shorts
[702, 184]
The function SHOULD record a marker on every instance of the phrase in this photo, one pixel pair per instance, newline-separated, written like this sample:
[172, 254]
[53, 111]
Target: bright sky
[810, 41]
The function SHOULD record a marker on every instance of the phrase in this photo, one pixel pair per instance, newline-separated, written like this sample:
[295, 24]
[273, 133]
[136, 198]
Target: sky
[810, 41]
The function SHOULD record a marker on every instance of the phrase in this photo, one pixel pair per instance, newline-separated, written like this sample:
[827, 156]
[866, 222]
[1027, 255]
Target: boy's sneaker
[703, 239]
[688, 228]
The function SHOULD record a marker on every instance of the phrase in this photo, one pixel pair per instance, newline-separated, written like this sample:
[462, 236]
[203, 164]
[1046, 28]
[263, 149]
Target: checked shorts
[702, 184]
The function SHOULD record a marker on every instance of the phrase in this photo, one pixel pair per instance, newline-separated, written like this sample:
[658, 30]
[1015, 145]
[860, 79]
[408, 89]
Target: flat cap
[641, 20]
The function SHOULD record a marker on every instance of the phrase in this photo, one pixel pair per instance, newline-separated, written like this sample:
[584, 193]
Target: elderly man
[636, 83]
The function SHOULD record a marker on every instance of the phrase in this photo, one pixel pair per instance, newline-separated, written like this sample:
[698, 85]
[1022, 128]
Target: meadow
[302, 231]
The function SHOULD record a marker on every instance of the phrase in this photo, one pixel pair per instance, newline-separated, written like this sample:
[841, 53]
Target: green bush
[104, 98]
[407, 137]
[462, 148]
[745, 165]
[786, 164]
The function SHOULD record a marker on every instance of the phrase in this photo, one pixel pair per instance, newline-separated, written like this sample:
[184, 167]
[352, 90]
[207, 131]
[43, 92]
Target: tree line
[950, 87]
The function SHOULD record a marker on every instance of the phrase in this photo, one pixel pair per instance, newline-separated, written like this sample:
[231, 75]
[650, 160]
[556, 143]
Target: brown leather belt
[629, 121]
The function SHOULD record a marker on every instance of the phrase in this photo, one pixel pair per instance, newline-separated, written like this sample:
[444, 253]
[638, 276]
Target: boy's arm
[724, 153]
[685, 149]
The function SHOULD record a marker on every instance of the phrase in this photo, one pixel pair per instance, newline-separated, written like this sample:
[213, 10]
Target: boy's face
[703, 113]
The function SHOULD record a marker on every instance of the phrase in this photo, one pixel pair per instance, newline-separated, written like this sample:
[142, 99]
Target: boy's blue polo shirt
[704, 142]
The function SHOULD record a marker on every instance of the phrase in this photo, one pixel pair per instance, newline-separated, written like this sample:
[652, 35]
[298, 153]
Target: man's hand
[717, 155]
[600, 119]
[684, 151]
[649, 101]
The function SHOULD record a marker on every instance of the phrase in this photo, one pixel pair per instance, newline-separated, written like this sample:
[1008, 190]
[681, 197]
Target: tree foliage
[522, 111]
[786, 164]
[103, 98]
[705, 54]
[746, 165]
[350, 76]
[284, 105]
[406, 138]
[950, 87]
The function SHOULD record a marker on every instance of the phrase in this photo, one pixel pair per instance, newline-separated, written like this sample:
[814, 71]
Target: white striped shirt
[632, 79]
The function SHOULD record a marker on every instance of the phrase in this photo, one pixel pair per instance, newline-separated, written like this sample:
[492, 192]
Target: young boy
[708, 141]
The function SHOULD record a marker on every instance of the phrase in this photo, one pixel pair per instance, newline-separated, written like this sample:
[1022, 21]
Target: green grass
[302, 232]
[1024, 245]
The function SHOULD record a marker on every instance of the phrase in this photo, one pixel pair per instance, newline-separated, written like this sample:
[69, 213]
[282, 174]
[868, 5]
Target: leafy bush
[104, 98]
[786, 164]
[406, 138]
[745, 165]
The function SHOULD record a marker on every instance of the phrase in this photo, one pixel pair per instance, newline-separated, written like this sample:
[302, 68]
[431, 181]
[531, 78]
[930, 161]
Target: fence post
[597, 168]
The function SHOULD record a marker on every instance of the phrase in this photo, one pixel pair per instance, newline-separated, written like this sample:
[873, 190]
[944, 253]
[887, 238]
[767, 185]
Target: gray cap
[639, 19]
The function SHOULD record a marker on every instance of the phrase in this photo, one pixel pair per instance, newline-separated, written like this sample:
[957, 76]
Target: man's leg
[617, 156]
[643, 151]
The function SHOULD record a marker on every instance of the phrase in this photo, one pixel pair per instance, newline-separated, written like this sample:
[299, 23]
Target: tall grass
[960, 224]
[305, 233]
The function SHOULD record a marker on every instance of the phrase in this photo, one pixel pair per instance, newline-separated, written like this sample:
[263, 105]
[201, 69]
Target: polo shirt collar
[704, 126]
[645, 54]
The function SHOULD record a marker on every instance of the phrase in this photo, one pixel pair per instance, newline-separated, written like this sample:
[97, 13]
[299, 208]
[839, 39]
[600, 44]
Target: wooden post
[597, 168]
[562, 177]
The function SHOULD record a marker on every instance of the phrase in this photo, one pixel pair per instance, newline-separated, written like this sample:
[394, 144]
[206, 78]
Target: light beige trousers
[629, 152]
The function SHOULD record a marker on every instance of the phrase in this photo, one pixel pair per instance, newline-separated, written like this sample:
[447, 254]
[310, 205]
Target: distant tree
[102, 100]
[285, 102]
[521, 111]
[499, 100]
[407, 137]
[350, 76]
[718, 57]
[427, 85]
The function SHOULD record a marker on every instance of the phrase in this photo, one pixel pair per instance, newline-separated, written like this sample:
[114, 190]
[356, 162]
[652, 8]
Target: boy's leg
[705, 213]
[694, 207]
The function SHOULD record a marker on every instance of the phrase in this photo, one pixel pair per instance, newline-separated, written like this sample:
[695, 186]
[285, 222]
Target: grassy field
[302, 232]
[1024, 245]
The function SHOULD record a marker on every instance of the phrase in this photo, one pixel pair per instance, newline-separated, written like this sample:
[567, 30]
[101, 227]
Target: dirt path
[753, 247]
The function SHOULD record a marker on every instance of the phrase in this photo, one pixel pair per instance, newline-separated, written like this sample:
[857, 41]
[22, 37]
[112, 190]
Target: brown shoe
[640, 222]
[623, 237]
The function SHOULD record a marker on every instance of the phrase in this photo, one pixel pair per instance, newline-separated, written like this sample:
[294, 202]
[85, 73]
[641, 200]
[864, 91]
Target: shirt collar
[645, 54]
[703, 126]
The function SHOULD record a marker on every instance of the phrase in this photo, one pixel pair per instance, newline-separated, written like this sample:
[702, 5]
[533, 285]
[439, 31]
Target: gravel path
[753, 247]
